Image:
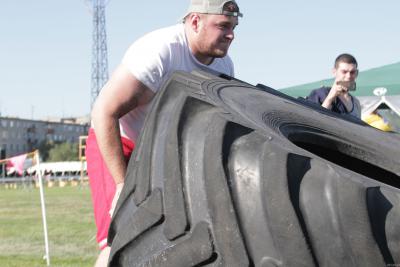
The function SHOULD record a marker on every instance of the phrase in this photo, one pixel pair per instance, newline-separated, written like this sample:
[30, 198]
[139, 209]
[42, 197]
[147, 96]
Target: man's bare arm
[336, 90]
[122, 93]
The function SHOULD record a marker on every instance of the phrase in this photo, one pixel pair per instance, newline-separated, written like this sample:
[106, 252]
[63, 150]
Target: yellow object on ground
[378, 122]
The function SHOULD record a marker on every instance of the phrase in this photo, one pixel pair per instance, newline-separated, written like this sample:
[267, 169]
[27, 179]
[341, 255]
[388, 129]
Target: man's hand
[336, 90]
[116, 197]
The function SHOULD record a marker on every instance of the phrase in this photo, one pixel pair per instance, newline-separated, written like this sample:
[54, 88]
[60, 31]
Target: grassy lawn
[70, 223]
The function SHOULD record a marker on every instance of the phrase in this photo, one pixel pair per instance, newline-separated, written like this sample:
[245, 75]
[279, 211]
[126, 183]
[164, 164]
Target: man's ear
[334, 70]
[194, 21]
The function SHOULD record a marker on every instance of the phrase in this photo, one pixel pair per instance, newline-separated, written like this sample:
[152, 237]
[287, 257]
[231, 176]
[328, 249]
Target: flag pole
[46, 241]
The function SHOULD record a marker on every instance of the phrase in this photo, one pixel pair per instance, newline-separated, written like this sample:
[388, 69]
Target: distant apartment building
[18, 136]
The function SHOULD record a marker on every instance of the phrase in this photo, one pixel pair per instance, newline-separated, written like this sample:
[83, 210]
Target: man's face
[216, 34]
[345, 72]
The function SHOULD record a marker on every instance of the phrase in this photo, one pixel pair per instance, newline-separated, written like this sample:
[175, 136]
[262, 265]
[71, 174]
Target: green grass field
[70, 223]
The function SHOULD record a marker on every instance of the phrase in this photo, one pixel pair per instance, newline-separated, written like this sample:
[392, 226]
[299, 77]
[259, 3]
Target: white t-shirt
[153, 58]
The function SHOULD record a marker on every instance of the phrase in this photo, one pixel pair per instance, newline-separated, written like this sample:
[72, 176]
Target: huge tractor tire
[229, 174]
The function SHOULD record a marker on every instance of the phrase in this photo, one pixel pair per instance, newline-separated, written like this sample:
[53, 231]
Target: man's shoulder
[355, 99]
[158, 41]
[323, 90]
[166, 34]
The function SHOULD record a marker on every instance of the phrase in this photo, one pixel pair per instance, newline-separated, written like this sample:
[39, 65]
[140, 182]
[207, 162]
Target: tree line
[51, 151]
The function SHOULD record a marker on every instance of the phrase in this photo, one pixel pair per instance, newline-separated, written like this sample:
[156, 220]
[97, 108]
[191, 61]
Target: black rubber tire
[228, 174]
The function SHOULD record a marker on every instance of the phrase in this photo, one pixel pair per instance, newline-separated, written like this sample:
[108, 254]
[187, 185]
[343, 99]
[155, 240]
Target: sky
[45, 45]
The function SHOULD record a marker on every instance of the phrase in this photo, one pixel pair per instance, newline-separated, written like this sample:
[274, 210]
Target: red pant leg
[102, 184]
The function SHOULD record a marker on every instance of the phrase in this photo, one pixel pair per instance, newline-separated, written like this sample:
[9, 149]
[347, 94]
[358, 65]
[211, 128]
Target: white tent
[61, 168]
[371, 103]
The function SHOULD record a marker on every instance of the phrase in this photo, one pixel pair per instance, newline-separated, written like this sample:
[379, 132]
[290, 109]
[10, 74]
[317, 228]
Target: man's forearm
[109, 141]
[327, 103]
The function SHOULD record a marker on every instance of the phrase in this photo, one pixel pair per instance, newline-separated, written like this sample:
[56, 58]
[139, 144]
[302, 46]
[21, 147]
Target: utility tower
[99, 50]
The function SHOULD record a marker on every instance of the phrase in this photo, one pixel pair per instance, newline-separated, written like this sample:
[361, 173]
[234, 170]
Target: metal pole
[46, 241]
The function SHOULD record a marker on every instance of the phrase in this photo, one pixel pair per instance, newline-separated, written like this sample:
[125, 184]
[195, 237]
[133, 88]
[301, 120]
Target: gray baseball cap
[216, 7]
